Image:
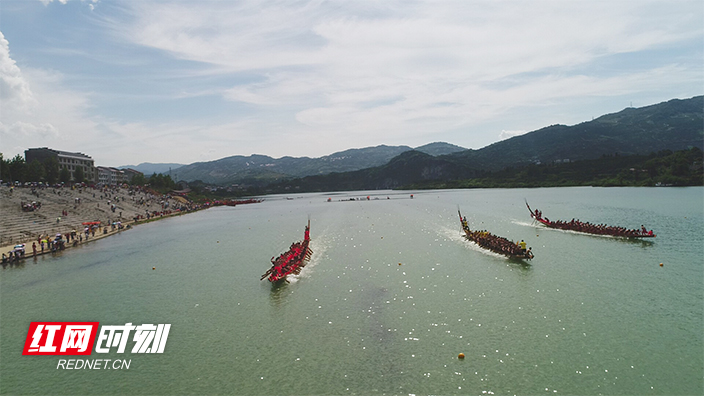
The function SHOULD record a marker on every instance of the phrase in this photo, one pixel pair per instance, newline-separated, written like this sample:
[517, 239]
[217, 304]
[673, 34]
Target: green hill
[612, 141]
[237, 169]
[673, 125]
[409, 167]
[258, 169]
[439, 148]
[665, 168]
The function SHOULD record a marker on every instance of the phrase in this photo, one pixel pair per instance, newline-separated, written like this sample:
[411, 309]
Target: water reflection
[522, 268]
[636, 241]
[520, 262]
[278, 293]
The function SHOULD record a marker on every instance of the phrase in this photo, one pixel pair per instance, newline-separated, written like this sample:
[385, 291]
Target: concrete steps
[18, 226]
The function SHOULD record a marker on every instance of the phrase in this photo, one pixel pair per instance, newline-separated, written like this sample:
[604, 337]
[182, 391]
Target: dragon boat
[290, 262]
[494, 243]
[589, 228]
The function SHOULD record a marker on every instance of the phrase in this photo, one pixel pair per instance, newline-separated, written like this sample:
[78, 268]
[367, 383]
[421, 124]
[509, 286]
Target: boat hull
[568, 226]
[495, 244]
[291, 262]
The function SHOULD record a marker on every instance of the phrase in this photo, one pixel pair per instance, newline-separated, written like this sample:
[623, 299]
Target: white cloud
[353, 74]
[348, 55]
[509, 134]
[25, 129]
[434, 37]
[38, 109]
[14, 89]
[90, 5]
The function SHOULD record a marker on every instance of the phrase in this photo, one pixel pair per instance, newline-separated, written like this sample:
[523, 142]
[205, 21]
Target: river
[393, 293]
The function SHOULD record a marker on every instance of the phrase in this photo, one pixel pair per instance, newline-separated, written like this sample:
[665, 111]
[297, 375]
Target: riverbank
[64, 210]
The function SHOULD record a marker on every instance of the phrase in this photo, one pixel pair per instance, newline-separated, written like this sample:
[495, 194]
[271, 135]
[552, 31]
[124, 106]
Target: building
[120, 177]
[130, 174]
[110, 176]
[67, 160]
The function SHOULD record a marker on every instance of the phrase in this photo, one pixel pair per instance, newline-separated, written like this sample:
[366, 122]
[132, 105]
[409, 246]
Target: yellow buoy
[460, 356]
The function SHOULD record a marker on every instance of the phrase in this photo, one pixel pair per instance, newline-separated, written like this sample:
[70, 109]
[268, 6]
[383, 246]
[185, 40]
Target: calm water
[590, 315]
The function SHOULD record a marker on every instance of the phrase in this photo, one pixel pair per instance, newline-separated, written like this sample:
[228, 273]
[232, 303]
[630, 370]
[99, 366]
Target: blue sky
[185, 81]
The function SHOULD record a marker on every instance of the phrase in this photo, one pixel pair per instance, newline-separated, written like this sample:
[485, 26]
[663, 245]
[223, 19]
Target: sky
[127, 82]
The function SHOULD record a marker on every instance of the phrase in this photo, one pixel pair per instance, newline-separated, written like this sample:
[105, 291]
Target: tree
[78, 175]
[4, 168]
[64, 175]
[138, 180]
[168, 182]
[18, 169]
[51, 170]
[35, 171]
[159, 181]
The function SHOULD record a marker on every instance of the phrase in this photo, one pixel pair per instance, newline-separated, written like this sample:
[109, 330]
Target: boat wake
[542, 227]
[318, 246]
[583, 233]
[526, 224]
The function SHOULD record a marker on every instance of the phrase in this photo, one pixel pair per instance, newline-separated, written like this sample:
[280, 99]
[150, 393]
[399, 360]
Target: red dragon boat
[496, 243]
[589, 228]
[290, 262]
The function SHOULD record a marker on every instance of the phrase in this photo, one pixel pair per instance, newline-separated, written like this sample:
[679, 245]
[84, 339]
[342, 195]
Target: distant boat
[290, 262]
[495, 243]
[589, 228]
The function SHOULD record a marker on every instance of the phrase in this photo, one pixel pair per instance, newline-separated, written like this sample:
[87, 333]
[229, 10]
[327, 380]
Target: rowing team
[576, 225]
[497, 244]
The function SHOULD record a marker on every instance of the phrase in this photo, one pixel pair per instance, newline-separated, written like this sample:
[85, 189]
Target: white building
[110, 176]
[67, 160]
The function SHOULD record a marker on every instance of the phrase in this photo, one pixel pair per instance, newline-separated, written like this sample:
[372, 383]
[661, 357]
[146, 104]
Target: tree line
[17, 169]
[48, 171]
[666, 167]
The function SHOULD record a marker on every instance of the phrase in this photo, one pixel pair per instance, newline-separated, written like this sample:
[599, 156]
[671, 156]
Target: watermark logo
[148, 338]
[77, 338]
[60, 338]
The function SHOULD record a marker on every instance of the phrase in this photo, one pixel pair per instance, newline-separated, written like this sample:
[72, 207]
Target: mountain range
[262, 169]
[148, 168]
[673, 125]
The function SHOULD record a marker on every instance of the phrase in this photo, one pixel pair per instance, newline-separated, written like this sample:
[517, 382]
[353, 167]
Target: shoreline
[30, 214]
[98, 236]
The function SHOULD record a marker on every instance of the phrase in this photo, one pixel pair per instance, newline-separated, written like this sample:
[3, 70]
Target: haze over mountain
[264, 169]
[673, 125]
[149, 168]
